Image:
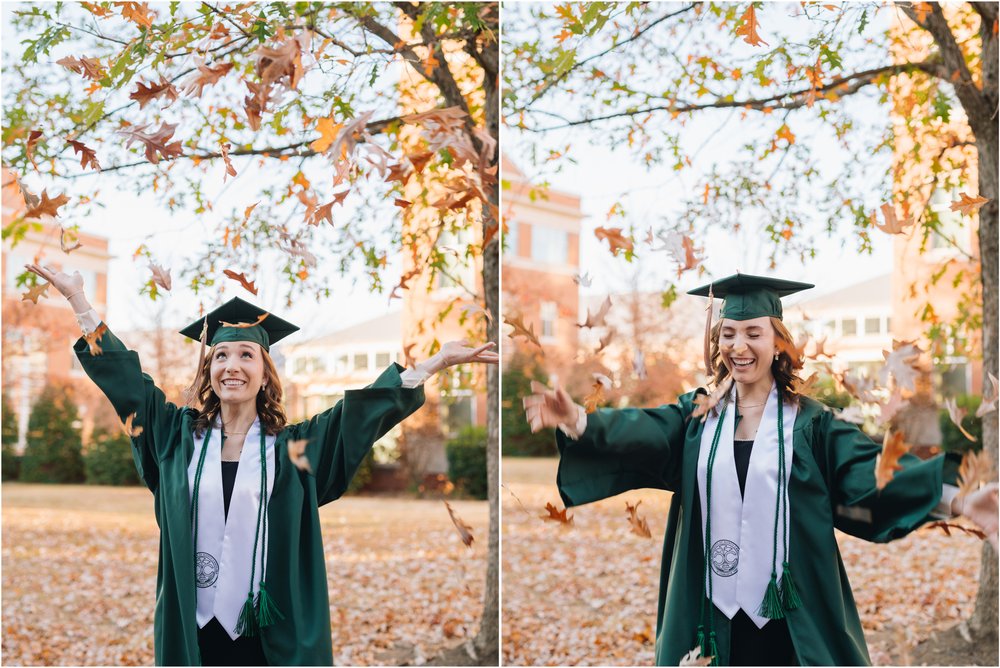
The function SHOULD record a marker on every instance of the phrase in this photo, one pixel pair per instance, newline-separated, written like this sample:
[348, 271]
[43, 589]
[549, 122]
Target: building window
[510, 239]
[300, 365]
[849, 327]
[549, 245]
[461, 413]
[382, 360]
[888, 325]
[343, 364]
[873, 325]
[548, 313]
[360, 361]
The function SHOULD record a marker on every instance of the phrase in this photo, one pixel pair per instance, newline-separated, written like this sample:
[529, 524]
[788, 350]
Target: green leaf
[942, 107]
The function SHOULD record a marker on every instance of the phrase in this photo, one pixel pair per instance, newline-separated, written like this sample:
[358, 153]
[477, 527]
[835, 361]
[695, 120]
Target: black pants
[218, 649]
[769, 646]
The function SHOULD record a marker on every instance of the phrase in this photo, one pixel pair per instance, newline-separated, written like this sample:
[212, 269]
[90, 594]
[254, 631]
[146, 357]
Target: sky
[600, 175]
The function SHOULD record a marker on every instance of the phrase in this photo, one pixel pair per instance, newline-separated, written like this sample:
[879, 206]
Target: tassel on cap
[713, 650]
[790, 599]
[191, 393]
[267, 611]
[709, 367]
[770, 607]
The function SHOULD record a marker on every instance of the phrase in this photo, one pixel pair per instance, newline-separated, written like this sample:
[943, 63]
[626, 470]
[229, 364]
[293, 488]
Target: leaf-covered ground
[79, 576]
[586, 594]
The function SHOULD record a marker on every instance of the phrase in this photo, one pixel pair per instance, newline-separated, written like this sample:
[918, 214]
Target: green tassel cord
[790, 598]
[713, 650]
[770, 607]
[246, 625]
[267, 610]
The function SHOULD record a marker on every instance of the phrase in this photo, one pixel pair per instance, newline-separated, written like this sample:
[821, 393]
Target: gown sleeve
[117, 373]
[623, 449]
[859, 507]
[340, 437]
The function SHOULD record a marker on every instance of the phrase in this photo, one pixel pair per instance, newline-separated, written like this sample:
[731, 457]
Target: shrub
[108, 460]
[363, 475]
[10, 463]
[467, 461]
[53, 450]
[518, 441]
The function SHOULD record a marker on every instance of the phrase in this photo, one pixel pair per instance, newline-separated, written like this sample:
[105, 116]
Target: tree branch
[937, 25]
[843, 86]
[636, 35]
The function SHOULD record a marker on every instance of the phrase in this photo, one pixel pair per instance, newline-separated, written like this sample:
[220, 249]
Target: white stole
[743, 528]
[225, 547]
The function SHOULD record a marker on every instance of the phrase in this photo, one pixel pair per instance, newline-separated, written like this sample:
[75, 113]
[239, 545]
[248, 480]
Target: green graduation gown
[339, 438]
[832, 485]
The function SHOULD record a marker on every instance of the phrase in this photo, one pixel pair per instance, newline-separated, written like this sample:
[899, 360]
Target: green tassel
[246, 625]
[713, 650]
[700, 641]
[770, 607]
[267, 610]
[790, 599]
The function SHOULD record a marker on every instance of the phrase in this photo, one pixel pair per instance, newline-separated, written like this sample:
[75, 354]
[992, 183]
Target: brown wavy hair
[784, 369]
[269, 408]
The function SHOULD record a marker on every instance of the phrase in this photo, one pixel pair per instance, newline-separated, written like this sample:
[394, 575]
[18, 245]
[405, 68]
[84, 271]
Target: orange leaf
[968, 205]
[784, 132]
[248, 211]
[29, 148]
[90, 68]
[137, 13]
[464, 530]
[328, 131]
[402, 203]
[88, 156]
[556, 515]
[894, 446]
[146, 93]
[748, 28]
[640, 526]
[706, 402]
[892, 224]
[34, 292]
[242, 280]
[245, 325]
[207, 75]
[230, 170]
[46, 206]
[132, 431]
[156, 143]
[976, 468]
[616, 240]
[520, 330]
[947, 526]
[593, 400]
[94, 337]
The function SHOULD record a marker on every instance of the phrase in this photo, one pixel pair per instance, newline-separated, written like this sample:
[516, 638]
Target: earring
[776, 356]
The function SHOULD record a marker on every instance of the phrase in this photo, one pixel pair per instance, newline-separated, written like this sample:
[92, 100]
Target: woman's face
[748, 348]
[237, 371]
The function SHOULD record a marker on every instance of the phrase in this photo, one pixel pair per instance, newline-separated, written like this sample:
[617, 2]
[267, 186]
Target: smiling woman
[242, 573]
[751, 571]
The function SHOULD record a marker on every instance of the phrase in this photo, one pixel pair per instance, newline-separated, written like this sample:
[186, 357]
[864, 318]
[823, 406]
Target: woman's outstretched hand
[65, 283]
[980, 506]
[460, 352]
[549, 408]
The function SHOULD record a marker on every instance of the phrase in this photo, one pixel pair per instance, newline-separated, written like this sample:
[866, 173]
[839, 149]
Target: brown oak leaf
[88, 156]
[976, 468]
[245, 325]
[639, 525]
[207, 75]
[145, 93]
[93, 339]
[297, 454]
[90, 68]
[137, 13]
[892, 224]
[597, 319]
[706, 402]
[616, 240]
[230, 170]
[158, 144]
[132, 431]
[894, 446]
[34, 292]
[968, 205]
[748, 28]
[46, 206]
[556, 515]
[464, 530]
[517, 322]
[242, 280]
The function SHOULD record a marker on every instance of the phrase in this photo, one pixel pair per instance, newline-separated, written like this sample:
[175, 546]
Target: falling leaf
[94, 338]
[748, 28]
[297, 454]
[410, 360]
[34, 292]
[948, 526]
[889, 409]
[597, 319]
[604, 341]
[556, 515]
[616, 240]
[248, 211]
[819, 351]
[681, 249]
[68, 240]
[520, 330]
[968, 205]
[230, 170]
[245, 325]
[242, 280]
[402, 203]
[706, 402]
[88, 156]
[90, 68]
[161, 276]
[989, 403]
[320, 213]
[46, 206]
[640, 526]
[956, 414]
[596, 398]
[901, 363]
[29, 147]
[852, 414]
[464, 530]
[892, 224]
[137, 13]
[207, 75]
[472, 309]
[860, 387]
[403, 284]
[894, 446]
[156, 143]
[639, 365]
[280, 64]
[583, 280]
[145, 93]
[328, 131]
[784, 132]
[976, 468]
[694, 657]
[132, 431]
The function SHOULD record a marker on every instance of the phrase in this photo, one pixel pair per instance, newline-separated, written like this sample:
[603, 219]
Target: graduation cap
[747, 297]
[237, 320]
